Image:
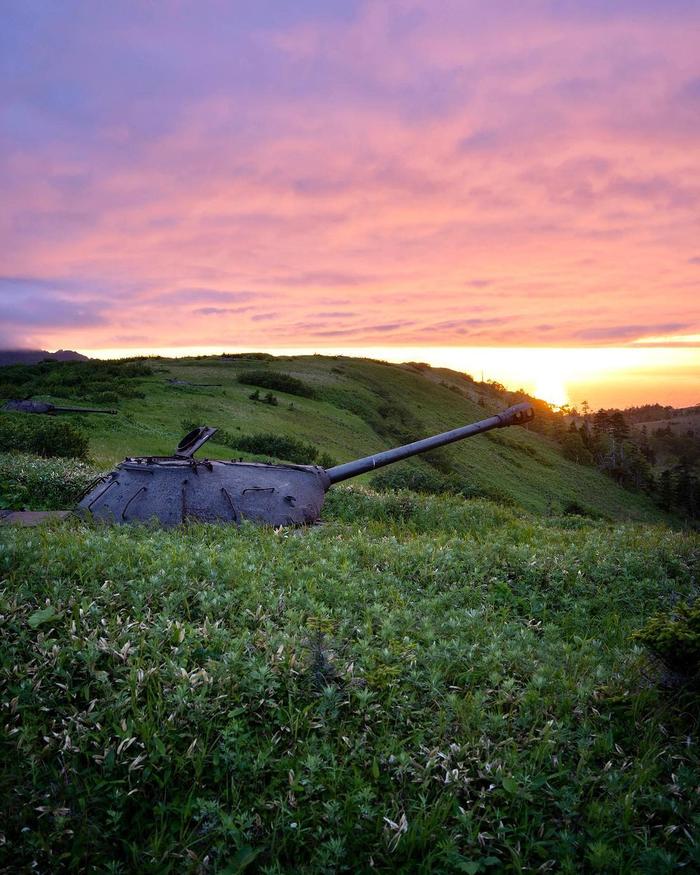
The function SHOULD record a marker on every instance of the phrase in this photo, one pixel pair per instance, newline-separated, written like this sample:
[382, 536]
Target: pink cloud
[466, 175]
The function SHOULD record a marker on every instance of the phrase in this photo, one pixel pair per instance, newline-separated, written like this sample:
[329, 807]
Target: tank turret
[177, 488]
[48, 409]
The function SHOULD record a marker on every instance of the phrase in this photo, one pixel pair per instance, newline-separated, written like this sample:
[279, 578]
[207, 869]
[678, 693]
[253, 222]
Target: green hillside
[358, 407]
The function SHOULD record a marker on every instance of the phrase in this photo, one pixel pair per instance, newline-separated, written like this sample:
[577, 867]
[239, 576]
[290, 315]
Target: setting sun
[551, 389]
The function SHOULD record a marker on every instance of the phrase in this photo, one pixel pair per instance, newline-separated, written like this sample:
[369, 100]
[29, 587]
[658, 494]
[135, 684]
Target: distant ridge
[32, 356]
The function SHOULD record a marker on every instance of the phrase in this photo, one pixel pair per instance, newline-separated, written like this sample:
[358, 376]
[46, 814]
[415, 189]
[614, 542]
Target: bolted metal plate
[174, 490]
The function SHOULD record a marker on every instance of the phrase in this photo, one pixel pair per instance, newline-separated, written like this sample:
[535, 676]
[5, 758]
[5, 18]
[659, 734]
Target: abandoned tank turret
[173, 489]
[14, 406]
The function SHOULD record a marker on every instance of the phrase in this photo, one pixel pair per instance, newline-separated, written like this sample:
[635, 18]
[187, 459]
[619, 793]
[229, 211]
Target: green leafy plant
[87, 381]
[276, 380]
[674, 637]
[423, 480]
[42, 484]
[41, 435]
[268, 444]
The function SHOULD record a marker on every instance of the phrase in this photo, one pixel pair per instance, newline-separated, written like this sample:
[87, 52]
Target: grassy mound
[420, 685]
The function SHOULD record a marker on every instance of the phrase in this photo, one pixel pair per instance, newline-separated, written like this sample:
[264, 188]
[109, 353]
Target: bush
[254, 356]
[674, 638]
[574, 508]
[414, 479]
[275, 380]
[42, 484]
[275, 445]
[574, 449]
[42, 436]
[83, 381]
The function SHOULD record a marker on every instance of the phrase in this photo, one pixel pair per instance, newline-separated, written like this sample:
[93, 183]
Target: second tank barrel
[519, 414]
[111, 411]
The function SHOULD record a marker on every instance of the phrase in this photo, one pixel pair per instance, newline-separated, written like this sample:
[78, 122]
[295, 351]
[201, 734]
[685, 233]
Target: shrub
[275, 445]
[413, 479]
[254, 356]
[84, 381]
[574, 449]
[42, 436]
[42, 484]
[275, 380]
[424, 481]
[574, 508]
[108, 397]
[674, 637]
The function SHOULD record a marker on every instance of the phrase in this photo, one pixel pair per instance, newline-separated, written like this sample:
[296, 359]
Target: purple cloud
[219, 311]
[33, 303]
[627, 332]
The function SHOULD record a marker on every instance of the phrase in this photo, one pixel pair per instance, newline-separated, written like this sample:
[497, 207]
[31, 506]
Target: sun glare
[551, 389]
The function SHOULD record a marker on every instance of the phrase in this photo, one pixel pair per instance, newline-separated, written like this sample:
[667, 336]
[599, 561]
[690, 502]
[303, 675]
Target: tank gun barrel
[83, 410]
[28, 406]
[519, 414]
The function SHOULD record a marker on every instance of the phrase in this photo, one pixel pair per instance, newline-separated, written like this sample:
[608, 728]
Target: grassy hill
[358, 407]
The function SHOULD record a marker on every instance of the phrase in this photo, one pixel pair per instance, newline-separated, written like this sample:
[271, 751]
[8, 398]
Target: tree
[586, 436]
[618, 427]
[575, 450]
[665, 490]
[601, 422]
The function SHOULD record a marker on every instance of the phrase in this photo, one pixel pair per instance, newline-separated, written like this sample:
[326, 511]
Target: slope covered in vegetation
[422, 684]
[341, 407]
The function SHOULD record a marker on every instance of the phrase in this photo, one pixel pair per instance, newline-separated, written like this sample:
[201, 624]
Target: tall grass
[422, 684]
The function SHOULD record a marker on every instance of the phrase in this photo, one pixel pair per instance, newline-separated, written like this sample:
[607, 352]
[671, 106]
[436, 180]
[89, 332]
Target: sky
[403, 176]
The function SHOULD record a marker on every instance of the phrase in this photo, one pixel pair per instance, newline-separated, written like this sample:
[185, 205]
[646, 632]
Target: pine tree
[586, 436]
[618, 427]
[575, 450]
[666, 490]
[601, 422]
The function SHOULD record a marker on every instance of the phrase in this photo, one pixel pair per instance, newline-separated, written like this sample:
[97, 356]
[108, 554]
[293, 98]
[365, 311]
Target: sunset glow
[513, 188]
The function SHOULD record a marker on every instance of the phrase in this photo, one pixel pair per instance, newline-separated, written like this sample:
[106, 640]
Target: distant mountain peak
[32, 356]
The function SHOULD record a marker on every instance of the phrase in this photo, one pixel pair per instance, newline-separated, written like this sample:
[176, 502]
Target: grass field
[419, 685]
